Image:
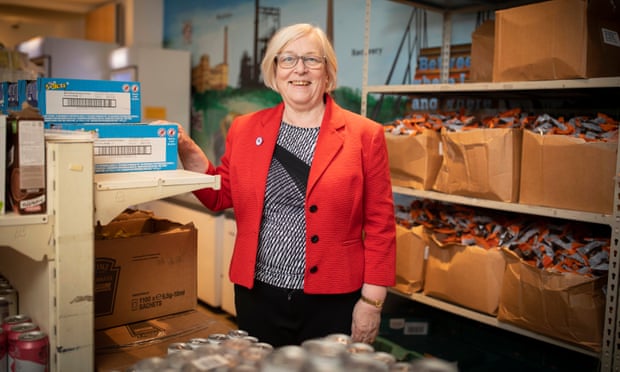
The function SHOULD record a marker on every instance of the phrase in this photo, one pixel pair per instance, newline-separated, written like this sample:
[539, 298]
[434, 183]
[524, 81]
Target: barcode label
[416, 328]
[610, 37]
[88, 102]
[123, 150]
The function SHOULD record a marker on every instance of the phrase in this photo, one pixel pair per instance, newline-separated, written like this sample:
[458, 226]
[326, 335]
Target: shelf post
[71, 202]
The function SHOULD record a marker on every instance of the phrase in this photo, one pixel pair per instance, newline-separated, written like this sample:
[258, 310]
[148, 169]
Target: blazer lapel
[329, 143]
[264, 135]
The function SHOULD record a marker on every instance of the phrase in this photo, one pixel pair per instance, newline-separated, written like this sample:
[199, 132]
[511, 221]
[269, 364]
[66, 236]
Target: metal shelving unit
[49, 258]
[610, 354]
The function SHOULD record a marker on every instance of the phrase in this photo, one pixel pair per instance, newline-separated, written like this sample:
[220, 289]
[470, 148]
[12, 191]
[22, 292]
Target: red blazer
[349, 208]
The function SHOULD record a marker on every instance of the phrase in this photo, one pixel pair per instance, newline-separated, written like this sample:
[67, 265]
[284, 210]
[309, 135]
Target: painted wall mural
[227, 38]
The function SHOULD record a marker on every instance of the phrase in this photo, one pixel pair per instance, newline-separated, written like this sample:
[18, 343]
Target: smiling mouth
[299, 83]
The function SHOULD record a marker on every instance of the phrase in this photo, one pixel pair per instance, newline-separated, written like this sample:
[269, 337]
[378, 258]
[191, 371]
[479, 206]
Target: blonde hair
[283, 37]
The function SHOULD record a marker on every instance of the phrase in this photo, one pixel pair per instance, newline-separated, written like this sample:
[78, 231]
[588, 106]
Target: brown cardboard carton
[146, 268]
[469, 276]
[566, 306]
[414, 159]
[561, 171]
[411, 251]
[119, 348]
[482, 49]
[558, 39]
[481, 163]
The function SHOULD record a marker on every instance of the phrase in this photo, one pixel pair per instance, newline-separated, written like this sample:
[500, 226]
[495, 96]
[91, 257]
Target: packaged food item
[26, 161]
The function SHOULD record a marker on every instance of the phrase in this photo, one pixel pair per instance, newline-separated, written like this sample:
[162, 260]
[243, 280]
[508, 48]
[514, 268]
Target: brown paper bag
[481, 163]
[566, 306]
[411, 249]
[414, 159]
[469, 276]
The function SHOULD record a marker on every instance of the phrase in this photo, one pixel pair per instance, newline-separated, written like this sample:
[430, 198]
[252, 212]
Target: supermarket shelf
[611, 82]
[489, 320]
[509, 207]
[116, 191]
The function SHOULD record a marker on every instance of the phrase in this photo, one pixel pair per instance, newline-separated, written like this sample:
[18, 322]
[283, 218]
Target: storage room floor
[218, 314]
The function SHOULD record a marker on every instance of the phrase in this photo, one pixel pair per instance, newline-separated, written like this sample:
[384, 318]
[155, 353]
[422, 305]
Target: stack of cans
[239, 352]
[23, 346]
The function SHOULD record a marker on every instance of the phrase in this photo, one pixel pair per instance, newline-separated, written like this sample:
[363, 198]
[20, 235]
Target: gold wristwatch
[376, 303]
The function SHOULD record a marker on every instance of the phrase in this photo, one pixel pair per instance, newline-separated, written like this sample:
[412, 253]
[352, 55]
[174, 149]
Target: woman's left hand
[366, 320]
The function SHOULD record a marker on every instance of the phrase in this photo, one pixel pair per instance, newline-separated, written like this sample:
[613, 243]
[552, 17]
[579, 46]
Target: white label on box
[416, 328]
[610, 37]
[87, 103]
[31, 154]
[129, 150]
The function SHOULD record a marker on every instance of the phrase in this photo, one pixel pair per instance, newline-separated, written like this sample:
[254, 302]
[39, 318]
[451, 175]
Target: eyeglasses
[289, 61]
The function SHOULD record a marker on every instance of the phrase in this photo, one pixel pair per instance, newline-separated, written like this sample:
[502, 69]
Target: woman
[310, 187]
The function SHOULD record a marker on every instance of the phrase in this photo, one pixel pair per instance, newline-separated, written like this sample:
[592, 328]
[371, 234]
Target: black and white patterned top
[282, 241]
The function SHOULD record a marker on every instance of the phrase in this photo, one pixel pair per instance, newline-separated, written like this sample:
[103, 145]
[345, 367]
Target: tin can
[217, 338]
[12, 336]
[339, 337]
[3, 351]
[178, 346]
[197, 342]
[11, 296]
[32, 352]
[360, 347]
[237, 333]
[290, 358]
[12, 320]
[4, 308]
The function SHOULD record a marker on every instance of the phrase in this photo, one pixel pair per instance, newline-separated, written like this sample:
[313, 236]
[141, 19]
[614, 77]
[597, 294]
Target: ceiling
[68, 6]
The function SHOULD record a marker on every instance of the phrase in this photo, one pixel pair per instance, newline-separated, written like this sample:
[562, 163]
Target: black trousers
[282, 316]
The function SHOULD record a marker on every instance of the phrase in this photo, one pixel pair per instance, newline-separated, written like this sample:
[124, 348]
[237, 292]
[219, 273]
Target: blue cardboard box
[88, 101]
[130, 147]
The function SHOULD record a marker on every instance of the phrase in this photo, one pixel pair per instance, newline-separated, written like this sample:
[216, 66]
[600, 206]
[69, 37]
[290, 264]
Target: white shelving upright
[610, 354]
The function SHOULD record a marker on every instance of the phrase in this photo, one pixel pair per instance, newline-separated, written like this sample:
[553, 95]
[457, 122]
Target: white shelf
[611, 82]
[24, 233]
[114, 192]
[509, 207]
[489, 320]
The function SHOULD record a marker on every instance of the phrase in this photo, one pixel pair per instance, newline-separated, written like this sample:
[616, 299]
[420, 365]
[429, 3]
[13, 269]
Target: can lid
[21, 327]
[17, 318]
[32, 336]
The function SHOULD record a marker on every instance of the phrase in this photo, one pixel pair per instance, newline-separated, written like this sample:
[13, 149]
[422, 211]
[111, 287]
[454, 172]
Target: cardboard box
[130, 147]
[566, 306]
[88, 101]
[558, 39]
[118, 348]
[567, 172]
[411, 252]
[145, 268]
[414, 159]
[481, 163]
[469, 276]
[482, 50]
